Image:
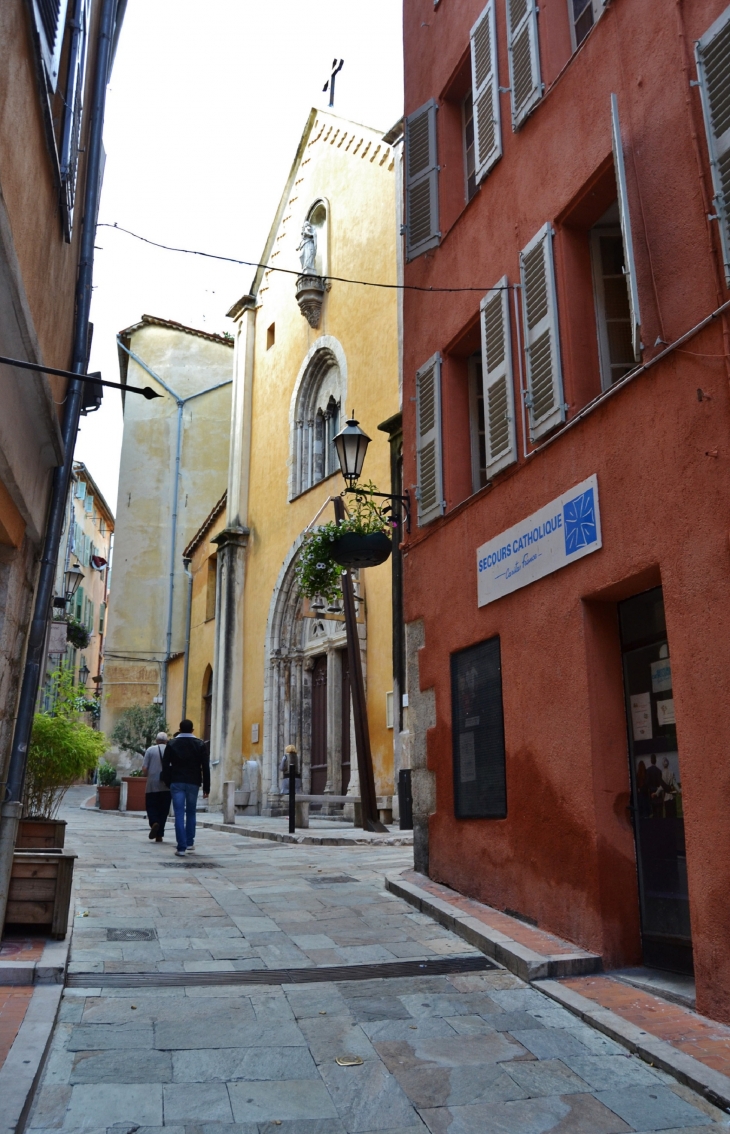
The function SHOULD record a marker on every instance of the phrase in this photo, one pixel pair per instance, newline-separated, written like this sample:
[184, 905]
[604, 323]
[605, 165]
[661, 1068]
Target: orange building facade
[566, 416]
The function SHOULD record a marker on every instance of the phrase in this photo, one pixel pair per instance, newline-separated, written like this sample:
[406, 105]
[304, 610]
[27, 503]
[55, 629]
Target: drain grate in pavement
[131, 934]
[328, 880]
[441, 966]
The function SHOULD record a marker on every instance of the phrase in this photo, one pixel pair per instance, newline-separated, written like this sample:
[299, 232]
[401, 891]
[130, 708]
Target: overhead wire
[293, 271]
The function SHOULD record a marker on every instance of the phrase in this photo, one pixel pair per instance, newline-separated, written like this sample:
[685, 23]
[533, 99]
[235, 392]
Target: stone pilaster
[226, 747]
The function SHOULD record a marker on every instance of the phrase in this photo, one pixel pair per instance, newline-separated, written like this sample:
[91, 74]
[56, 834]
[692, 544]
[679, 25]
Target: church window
[316, 422]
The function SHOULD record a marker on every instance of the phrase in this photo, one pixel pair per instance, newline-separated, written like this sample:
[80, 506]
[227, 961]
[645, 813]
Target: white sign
[57, 638]
[564, 530]
[641, 716]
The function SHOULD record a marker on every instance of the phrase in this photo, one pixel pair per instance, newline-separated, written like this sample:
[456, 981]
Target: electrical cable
[292, 271]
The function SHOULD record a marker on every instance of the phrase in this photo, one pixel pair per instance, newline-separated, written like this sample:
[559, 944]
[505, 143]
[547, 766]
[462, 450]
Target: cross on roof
[336, 68]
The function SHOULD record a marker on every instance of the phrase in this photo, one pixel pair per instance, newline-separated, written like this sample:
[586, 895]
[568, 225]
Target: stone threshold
[657, 1052]
[528, 952]
[49, 968]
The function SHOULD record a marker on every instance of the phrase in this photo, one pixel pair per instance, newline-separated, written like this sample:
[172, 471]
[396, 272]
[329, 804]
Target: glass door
[656, 784]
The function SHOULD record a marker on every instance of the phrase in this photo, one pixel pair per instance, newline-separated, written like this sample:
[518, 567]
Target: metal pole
[173, 541]
[12, 804]
[292, 794]
[368, 799]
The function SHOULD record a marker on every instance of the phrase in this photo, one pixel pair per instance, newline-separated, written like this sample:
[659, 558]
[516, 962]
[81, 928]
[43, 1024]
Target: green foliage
[66, 698]
[62, 750]
[77, 634]
[137, 728]
[106, 774]
[316, 571]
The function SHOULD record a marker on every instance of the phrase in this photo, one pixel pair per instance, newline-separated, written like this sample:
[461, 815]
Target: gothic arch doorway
[307, 695]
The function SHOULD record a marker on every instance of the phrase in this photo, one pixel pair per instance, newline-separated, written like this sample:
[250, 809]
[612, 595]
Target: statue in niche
[307, 249]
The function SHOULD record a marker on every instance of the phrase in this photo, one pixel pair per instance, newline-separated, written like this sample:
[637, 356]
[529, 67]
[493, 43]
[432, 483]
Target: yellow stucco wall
[137, 617]
[353, 170]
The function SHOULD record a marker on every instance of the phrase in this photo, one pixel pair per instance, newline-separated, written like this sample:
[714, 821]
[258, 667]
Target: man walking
[157, 795]
[185, 766]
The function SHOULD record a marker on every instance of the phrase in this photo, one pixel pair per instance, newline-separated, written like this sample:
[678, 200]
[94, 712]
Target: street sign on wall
[564, 530]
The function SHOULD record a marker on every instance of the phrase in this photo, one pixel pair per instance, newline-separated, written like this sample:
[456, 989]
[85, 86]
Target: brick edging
[685, 1068]
[523, 962]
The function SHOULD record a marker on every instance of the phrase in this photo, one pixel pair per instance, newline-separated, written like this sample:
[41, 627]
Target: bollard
[229, 801]
[123, 796]
[292, 794]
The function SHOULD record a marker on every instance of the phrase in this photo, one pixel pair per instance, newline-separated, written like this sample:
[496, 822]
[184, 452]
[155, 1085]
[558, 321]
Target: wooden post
[370, 820]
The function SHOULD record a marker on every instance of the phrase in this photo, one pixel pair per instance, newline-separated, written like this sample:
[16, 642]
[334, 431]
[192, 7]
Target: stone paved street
[463, 1053]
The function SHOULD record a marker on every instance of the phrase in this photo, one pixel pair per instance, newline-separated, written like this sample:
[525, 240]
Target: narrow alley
[158, 1027]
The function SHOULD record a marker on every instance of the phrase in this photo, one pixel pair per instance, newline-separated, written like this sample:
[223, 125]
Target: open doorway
[656, 784]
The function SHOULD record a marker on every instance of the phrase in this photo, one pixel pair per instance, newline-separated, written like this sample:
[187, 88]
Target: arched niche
[316, 415]
[318, 216]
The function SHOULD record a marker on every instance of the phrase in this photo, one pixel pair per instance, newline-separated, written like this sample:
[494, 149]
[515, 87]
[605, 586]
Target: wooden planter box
[108, 798]
[136, 791]
[41, 834]
[40, 890]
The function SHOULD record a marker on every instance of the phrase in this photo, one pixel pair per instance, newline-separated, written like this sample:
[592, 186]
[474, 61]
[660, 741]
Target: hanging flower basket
[353, 549]
[77, 634]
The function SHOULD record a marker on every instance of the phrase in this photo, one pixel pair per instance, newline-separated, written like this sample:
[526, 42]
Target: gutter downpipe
[186, 664]
[12, 803]
[181, 403]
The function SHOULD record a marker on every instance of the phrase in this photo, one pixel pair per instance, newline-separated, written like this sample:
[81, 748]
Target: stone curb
[307, 840]
[22, 1069]
[685, 1068]
[523, 962]
[50, 968]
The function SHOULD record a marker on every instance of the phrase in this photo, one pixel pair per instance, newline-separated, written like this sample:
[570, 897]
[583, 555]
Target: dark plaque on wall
[480, 790]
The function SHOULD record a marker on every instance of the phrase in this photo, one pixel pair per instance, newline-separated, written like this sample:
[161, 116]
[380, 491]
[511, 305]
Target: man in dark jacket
[185, 766]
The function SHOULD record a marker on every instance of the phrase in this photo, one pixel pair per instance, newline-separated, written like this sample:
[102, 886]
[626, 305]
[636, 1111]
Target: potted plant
[108, 786]
[77, 634]
[135, 731]
[63, 749]
[362, 540]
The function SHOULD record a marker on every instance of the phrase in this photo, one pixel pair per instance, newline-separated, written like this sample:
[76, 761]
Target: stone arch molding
[316, 411]
[290, 647]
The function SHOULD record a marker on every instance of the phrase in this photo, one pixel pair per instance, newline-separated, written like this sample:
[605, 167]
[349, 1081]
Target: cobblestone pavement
[469, 1053]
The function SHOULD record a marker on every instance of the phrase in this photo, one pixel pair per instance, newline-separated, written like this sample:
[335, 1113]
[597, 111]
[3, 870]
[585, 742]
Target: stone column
[226, 747]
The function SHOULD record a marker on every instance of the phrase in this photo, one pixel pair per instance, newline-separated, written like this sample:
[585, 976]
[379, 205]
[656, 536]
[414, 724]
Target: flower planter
[108, 798]
[355, 550]
[40, 890]
[136, 790]
[41, 834]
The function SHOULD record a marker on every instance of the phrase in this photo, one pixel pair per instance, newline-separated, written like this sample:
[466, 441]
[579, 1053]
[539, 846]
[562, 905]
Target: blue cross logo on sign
[579, 522]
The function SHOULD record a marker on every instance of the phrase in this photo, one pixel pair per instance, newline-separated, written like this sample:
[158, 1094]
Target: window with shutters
[524, 59]
[613, 314]
[541, 333]
[429, 456]
[583, 15]
[73, 96]
[480, 781]
[486, 125]
[712, 53]
[422, 209]
[49, 19]
[499, 408]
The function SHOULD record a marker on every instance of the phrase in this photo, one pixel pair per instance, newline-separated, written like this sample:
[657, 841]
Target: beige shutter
[422, 203]
[712, 53]
[625, 217]
[72, 110]
[49, 18]
[524, 58]
[430, 490]
[499, 408]
[485, 87]
[542, 342]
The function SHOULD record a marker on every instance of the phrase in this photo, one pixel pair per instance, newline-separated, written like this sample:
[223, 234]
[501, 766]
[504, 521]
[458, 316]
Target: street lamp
[84, 674]
[351, 445]
[72, 578]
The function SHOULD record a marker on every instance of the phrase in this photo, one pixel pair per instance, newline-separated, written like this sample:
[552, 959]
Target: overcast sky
[205, 109]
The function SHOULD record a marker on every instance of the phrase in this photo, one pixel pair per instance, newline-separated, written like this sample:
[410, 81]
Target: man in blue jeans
[185, 766]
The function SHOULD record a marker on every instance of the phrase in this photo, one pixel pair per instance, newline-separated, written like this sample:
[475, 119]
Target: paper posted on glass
[661, 676]
[467, 758]
[641, 716]
[665, 711]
